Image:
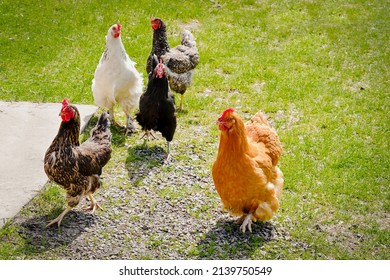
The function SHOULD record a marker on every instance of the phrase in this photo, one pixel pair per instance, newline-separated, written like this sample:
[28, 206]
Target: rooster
[181, 60]
[116, 79]
[245, 172]
[75, 167]
[157, 104]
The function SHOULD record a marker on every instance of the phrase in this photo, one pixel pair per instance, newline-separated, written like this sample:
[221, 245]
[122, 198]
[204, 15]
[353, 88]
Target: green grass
[319, 69]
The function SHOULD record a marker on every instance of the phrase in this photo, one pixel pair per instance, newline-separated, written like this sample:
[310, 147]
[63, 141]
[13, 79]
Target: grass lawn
[319, 69]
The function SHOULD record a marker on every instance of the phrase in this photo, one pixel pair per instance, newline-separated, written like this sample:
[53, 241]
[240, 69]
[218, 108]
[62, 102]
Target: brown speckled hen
[77, 168]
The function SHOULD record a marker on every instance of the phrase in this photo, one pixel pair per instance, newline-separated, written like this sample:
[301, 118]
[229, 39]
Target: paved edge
[28, 129]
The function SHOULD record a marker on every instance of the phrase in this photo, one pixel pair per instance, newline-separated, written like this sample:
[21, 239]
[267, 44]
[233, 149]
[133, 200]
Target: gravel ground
[154, 209]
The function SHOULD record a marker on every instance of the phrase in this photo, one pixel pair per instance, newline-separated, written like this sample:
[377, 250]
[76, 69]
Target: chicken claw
[149, 135]
[247, 223]
[93, 205]
[58, 220]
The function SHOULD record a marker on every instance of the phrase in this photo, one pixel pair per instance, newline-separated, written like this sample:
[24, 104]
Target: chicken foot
[58, 220]
[93, 204]
[130, 125]
[246, 223]
[149, 135]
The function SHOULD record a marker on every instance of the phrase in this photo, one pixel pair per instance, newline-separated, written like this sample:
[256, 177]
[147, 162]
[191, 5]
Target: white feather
[116, 80]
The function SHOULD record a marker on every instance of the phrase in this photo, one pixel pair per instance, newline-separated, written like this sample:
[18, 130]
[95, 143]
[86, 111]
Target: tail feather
[258, 129]
[187, 39]
[260, 118]
[103, 122]
[102, 128]
[182, 58]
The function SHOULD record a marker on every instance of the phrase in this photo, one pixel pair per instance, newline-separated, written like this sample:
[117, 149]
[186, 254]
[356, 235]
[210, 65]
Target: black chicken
[157, 104]
[77, 168]
[181, 60]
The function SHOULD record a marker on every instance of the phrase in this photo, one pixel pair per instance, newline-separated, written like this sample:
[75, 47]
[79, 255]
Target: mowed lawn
[319, 69]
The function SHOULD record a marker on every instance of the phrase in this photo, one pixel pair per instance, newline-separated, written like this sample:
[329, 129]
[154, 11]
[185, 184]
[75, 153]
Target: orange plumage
[245, 171]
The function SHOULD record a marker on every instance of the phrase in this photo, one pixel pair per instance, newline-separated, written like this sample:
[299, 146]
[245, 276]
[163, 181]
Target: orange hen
[245, 172]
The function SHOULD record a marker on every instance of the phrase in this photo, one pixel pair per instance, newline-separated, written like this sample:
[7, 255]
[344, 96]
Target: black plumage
[160, 44]
[157, 104]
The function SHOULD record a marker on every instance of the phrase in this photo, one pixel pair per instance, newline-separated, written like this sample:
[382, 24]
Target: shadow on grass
[118, 135]
[142, 158]
[40, 239]
[182, 112]
[226, 241]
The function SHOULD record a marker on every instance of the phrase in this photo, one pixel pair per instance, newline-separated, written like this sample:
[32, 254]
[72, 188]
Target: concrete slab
[26, 131]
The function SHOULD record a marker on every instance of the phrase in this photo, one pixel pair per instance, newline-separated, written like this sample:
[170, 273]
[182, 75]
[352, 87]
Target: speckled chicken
[245, 172]
[181, 60]
[77, 168]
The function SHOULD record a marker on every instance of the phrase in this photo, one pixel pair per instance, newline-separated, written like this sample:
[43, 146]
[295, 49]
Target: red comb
[155, 23]
[229, 110]
[119, 26]
[65, 102]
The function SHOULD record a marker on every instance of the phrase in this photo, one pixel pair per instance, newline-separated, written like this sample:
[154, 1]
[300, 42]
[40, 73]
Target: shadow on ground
[142, 158]
[41, 239]
[226, 241]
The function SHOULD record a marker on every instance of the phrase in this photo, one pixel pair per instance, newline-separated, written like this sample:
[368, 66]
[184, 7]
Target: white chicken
[116, 79]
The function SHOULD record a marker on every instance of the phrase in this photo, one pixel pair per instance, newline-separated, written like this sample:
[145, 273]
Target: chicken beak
[221, 125]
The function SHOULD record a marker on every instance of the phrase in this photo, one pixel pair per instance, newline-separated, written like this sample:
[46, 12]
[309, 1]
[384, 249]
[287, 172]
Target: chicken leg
[247, 223]
[168, 151]
[181, 102]
[111, 117]
[93, 204]
[148, 135]
[58, 220]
